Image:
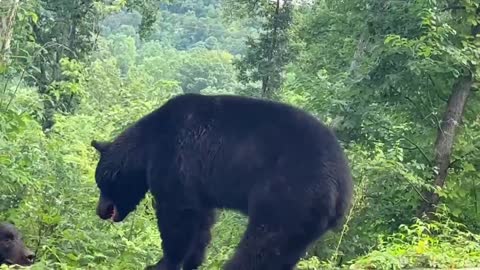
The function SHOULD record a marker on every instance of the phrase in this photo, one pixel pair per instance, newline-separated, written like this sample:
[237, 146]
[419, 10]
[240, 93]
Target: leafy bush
[382, 91]
[442, 243]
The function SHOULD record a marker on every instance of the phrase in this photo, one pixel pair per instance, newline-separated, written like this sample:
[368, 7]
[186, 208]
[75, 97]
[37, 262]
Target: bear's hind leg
[280, 229]
[265, 248]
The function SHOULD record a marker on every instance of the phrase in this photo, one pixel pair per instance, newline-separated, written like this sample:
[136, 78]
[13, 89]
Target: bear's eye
[106, 188]
[8, 236]
[108, 176]
[102, 186]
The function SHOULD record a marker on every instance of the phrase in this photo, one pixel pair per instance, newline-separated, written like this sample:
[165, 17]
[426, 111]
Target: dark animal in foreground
[274, 163]
[12, 249]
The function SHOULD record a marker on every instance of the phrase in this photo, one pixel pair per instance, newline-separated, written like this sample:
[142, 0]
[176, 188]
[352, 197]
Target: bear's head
[12, 248]
[121, 185]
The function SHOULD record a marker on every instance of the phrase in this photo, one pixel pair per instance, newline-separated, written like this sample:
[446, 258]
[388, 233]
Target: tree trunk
[8, 11]
[446, 133]
[358, 55]
[273, 46]
[445, 138]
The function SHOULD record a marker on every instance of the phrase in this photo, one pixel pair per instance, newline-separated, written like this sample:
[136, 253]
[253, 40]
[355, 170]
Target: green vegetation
[397, 80]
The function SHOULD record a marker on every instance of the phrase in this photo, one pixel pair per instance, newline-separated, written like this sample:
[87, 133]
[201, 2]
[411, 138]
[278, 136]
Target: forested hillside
[398, 82]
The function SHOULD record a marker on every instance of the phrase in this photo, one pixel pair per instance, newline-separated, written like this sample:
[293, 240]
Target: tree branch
[419, 149]
[464, 156]
[456, 7]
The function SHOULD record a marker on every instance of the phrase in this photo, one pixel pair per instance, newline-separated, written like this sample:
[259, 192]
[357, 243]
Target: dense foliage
[397, 80]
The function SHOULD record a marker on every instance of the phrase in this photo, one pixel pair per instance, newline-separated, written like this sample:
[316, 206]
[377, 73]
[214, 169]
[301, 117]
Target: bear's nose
[30, 257]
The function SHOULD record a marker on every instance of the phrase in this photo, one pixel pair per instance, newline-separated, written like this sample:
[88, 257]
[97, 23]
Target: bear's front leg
[202, 238]
[161, 265]
[177, 229]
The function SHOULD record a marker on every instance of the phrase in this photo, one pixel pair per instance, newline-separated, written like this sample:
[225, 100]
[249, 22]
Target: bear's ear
[100, 146]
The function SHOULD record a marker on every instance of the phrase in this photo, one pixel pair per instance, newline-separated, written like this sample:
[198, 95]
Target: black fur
[276, 164]
[12, 249]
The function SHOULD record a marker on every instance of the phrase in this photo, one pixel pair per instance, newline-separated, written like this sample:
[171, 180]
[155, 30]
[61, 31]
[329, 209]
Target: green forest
[397, 80]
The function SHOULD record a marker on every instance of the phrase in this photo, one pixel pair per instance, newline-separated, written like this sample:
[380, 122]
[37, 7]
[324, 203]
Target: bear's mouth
[107, 210]
[112, 213]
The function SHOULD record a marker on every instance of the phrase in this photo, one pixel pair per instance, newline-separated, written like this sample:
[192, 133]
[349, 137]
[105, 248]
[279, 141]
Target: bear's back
[243, 111]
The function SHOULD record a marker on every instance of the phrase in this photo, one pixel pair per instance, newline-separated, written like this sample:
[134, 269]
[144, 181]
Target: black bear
[272, 162]
[12, 249]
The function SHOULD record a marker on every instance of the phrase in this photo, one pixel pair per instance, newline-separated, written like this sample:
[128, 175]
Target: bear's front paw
[151, 267]
[162, 265]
